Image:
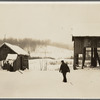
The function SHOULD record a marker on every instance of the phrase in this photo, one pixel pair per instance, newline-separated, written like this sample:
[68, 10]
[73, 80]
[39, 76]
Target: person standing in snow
[64, 69]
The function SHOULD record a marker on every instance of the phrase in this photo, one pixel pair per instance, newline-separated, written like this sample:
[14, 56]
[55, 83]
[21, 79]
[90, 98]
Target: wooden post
[95, 57]
[91, 56]
[84, 56]
[75, 60]
[98, 59]
[75, 57]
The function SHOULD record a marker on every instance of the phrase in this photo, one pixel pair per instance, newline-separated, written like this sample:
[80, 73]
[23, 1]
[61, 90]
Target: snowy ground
[34, 83]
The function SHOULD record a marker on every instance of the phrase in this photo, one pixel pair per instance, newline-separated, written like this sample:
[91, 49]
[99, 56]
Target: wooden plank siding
[4, 50]
[78, 45]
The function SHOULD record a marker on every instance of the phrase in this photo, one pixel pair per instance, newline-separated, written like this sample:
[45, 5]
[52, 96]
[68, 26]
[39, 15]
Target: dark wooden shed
[80, 45]
[17, 55]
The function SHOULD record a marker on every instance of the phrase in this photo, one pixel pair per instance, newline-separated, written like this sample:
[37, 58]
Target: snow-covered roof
[11, 57]
[86, 35]
[16, 49]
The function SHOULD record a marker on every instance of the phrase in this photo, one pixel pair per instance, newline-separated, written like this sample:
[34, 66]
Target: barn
[81, 45]
[15, 56]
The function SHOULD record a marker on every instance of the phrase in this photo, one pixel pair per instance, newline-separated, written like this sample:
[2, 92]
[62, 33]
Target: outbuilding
[81, 44]
[13, 57]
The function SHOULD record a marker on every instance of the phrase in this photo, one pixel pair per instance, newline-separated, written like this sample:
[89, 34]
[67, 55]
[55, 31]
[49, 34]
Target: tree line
[30, 44]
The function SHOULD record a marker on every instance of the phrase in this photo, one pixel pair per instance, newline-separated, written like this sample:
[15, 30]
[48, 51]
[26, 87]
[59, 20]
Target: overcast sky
[54, 21]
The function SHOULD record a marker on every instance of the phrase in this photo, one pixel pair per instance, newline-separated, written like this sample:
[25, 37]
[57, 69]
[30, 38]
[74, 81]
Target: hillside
[51, 51]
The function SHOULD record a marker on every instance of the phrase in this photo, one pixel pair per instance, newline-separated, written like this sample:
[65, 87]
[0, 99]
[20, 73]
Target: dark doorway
[21, 63]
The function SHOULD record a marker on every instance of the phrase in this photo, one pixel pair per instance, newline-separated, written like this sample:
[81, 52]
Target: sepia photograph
[50, 50]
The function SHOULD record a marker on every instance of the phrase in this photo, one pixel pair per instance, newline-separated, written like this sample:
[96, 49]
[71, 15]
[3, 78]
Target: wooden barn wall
[23, 62]
[87, 42]
[20, 63]
[17, 64]
[98, 42]
[78, 45]
[92, 42]
[4, 50]
[81, 42]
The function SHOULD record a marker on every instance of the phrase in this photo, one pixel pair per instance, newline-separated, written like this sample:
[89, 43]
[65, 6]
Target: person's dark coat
[64, 69]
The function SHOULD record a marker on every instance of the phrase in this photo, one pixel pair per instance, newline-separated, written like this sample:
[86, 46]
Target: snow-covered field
[47, 64]
[34, 83]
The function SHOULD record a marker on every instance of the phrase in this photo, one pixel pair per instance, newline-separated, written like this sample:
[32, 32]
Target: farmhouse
[81, 44]
[15, 56]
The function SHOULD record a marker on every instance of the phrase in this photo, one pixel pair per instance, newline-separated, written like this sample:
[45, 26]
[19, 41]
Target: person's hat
[62, 60]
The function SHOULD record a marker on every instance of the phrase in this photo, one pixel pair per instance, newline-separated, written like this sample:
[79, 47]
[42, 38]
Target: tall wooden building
[15, 55]
[80, 45]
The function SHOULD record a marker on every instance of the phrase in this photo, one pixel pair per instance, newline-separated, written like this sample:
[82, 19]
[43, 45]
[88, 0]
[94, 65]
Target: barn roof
[16, 49]
[85, 36]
